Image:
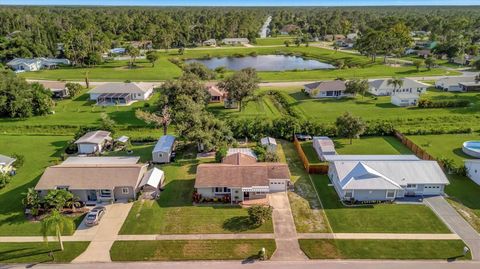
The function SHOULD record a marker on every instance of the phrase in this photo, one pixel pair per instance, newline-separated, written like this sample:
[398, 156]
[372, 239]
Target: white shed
[152, 180]
[405, 99]
[93, 142]
[163, 149]
[324, 146]
[269, 143]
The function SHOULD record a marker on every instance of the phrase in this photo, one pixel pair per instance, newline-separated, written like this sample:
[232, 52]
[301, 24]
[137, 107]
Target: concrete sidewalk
[381, 236]
[456, 223]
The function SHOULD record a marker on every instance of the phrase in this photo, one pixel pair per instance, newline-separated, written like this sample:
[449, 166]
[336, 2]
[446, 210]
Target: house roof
[268, 141]
[400, 157]
[53, 85]
[406, 96]
[213, 90]
[152, 177]
[324, 143]
[121, 160]
[228, 175]
[87, 176]
[455, 80]
[164, 144]
[40, 60]
[239, 159]
[332, 85]
[407, 83]
[121, 87]
[211, 40]
[5, 160]
[372, 174]
[239, 39]
[94, 137]
[246, 151]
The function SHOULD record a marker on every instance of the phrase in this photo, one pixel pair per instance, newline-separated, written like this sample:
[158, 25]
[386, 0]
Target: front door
[92, 195]
[246, 195]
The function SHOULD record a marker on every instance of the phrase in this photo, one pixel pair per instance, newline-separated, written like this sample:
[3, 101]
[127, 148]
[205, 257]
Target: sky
[240, 2]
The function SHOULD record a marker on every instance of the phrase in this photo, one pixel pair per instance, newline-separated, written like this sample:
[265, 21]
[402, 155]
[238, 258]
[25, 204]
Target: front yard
[464, 196]
[38, 252]
[383, 249]
[180, 250]
[380, 218]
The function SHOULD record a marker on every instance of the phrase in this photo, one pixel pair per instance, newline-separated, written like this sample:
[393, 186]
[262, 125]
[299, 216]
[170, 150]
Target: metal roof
[407, 83]
[102, 160]
[5, 160]
[268, 141]
[121, 87]
[165, 144]
[94, 137]
[246, 151]
[405, 157]
[153, 177]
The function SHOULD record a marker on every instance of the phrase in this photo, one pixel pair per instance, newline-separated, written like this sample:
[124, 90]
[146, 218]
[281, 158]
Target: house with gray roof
[121, 93]
[93, 142]
[235, 41]
[452, 84]
[386, 180]
[381, 87]
[162, 152]
[6, 164]
[326, 89]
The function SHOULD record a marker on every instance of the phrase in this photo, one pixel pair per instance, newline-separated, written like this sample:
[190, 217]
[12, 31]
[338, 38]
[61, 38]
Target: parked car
[95, 215]
[303, 137]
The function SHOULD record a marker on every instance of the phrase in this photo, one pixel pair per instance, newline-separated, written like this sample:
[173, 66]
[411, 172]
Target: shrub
[19, 160]
[259, 214]
[426, 103]
[4, 180]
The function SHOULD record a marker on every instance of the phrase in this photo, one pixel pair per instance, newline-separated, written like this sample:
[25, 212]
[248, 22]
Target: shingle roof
[407, 83]
[325, 144]
[94, 137]
[121, 87]
[120, 160]
[239, 159]
[215, 91]
[332, 85]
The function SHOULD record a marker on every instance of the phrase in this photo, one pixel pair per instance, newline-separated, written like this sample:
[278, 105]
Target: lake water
[263, 63]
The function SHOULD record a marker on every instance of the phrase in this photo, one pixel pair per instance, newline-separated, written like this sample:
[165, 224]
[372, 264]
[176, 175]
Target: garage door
[277, 186]
[431, 189]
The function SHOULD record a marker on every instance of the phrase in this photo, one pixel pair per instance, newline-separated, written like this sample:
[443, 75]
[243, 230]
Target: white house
[473, 170]
[452, 84]
[386, 180]
[35, 64]
[405, 99]
[99, 179]
[93, 142]
[121, 93]
[235, 41]
[381, 87]
[162, 152]
[326, 89]
[6, 164]
[269, 143]
[240, 177]
[323, 146]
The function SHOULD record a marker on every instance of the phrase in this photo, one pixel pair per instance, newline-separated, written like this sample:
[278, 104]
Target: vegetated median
[181, 250]
[384, 249]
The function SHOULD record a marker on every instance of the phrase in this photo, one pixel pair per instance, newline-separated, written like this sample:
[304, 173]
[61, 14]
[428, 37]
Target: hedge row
[425, 103]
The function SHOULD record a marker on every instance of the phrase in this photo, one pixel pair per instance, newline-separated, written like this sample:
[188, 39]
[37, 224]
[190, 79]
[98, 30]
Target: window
[348, 194]
[221, 190]
[125, 191]
[411, 186]
[105, 193]
[390, 194]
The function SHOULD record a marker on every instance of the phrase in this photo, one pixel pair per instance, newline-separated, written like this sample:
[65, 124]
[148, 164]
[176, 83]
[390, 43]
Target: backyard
[174, 213]
[164, 69]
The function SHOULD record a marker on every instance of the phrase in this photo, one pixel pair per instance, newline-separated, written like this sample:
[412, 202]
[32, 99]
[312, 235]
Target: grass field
[307, 211]
[38, 252]
[173, 212]
[273, 41]
[384, 249]
[380, 218]
[464, 197]
[445, 145]
[39, 152]
[180, 250]
[164, 69]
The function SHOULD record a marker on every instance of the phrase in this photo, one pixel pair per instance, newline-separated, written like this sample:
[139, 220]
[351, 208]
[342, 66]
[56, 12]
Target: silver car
[95, 215]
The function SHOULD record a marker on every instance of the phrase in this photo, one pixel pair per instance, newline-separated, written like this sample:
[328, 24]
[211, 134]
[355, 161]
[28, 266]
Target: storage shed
[163, 149]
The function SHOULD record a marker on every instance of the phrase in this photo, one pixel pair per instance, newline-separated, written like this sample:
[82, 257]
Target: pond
[263, 63]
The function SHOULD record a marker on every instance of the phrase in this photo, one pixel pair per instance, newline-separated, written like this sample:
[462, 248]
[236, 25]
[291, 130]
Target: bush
[19, 160]
[259, 214]
[4, 180]
[426, 103]
[220, 154]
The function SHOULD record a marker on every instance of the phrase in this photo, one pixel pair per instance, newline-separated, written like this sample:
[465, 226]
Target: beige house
[241, 177]
[99, 179]
[6, 164]
[216, 95]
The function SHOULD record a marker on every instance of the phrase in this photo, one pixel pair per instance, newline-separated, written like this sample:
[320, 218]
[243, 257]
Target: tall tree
[357, 86]
[56, 223]
[349, 126]
[152, 57]
[162, 119]
[397, 83]
[240, 86]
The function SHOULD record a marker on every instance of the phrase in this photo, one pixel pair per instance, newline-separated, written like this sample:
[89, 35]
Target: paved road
[285, 232]
[329, 264]
[105, 234]
[456, 223]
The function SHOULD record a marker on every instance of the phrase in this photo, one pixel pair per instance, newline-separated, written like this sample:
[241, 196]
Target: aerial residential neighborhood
[232, 135]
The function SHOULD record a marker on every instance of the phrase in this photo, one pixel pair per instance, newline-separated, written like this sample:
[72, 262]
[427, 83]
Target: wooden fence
[310, 168]
[418, 151]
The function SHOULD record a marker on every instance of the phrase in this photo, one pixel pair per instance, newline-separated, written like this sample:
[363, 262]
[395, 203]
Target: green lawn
[39, 152]
[180, 250]
[164, 69]
[273, 41]
[38, 252]
[380, 218]
[307, 211]
[173, 212]
[383, 249]
[263, 107]
[364, 145]
[445, 145]
[464, 196]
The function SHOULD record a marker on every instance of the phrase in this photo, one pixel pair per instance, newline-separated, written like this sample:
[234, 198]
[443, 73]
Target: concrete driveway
[285, 232]
[104, 234]
[456, 223]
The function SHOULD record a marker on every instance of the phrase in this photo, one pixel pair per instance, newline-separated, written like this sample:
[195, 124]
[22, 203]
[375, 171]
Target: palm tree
[56, 223]
[32, 201]
[73, 203]
[396, 83]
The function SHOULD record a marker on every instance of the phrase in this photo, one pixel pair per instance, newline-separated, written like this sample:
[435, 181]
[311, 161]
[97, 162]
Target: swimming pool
[472, 148]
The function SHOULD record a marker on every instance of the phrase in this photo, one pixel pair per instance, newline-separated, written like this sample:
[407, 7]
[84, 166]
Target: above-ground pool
[472, 148]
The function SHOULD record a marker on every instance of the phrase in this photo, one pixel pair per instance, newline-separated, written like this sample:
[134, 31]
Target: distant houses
[216, 94]
[382, 87]
[289, 28]
[457, 84]
[326, 89]
[35, 64]
[323, 146]
[210, 43]
[235, 41]
[58, 88]
[120, 93]
[93, 142]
